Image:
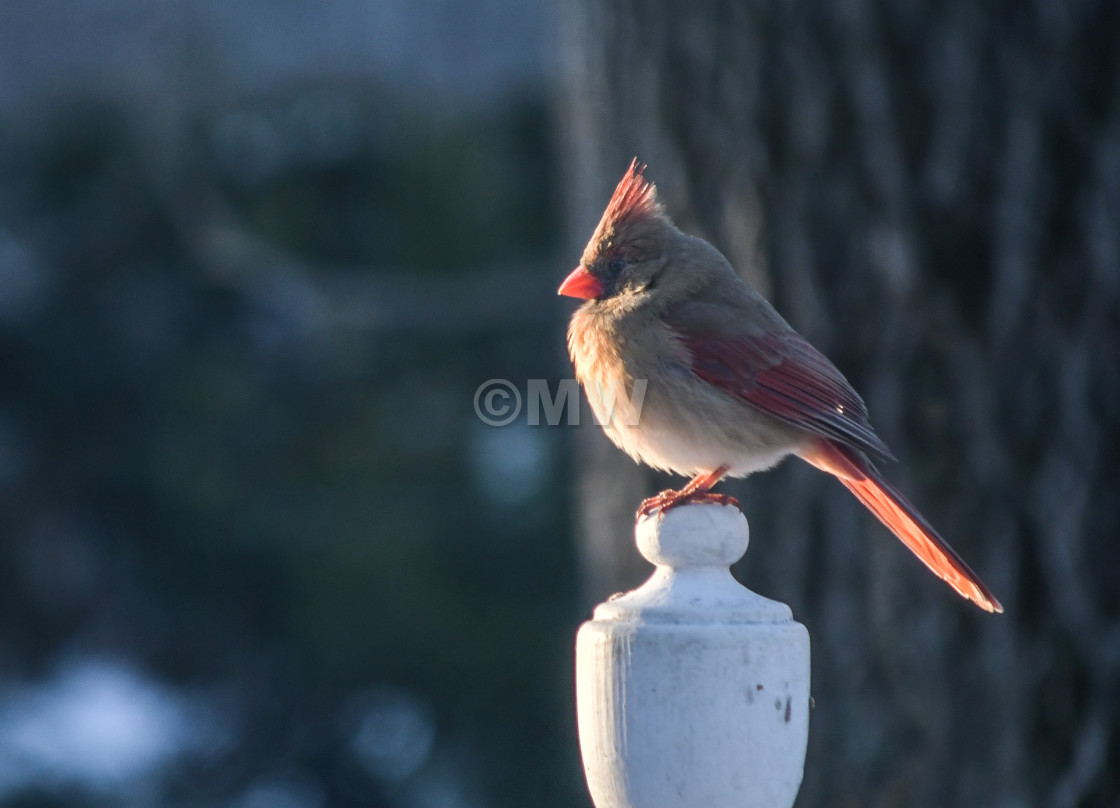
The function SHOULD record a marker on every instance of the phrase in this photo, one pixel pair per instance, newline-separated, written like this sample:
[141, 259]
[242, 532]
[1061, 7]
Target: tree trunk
[930, 193]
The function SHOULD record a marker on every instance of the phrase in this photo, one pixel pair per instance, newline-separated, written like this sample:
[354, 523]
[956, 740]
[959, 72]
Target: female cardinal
[730, 387]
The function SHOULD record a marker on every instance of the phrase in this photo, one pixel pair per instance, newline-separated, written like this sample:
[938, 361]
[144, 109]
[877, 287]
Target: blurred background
[259, 551]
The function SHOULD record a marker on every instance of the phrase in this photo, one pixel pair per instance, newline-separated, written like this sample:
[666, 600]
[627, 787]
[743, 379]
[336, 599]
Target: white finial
[694, 536]
[692, 690]
[692, 547]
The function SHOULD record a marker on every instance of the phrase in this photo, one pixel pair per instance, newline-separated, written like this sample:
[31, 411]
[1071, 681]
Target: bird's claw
[667, 500]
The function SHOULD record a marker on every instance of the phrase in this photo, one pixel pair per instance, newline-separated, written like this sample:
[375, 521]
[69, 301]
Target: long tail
[895, 511]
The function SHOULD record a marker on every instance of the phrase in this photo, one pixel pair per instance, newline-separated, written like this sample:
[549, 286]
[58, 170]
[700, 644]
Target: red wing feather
[786, 377]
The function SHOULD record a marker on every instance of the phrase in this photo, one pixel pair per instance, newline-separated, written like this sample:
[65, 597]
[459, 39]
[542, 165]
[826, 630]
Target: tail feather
[893, 509]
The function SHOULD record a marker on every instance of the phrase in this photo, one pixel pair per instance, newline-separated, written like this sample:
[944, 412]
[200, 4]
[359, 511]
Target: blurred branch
[373, 299]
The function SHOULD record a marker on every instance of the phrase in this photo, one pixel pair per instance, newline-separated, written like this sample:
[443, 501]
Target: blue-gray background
[258, 550]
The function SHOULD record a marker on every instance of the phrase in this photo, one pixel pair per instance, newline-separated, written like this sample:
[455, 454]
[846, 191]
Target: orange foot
[667, 500]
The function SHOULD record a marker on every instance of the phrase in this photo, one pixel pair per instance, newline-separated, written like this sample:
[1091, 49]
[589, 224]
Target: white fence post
[692, 691]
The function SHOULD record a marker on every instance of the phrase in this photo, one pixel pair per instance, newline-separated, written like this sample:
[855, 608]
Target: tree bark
[930, 193]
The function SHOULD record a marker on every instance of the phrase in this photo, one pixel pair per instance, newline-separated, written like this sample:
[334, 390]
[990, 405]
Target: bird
[689, 370]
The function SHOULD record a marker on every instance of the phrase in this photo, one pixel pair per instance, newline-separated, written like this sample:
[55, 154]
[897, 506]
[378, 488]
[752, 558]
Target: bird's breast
[643, 393]
[605, 369]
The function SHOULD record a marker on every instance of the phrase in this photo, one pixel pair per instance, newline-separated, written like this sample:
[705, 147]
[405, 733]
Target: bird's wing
[775, 370]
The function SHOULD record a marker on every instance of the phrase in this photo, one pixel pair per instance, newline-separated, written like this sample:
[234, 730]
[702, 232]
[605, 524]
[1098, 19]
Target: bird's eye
[615, 266]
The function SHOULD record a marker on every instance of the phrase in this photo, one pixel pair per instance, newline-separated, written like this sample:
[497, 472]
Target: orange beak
[581, 284]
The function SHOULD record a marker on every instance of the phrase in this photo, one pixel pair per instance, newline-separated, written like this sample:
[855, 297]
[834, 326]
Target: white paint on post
[692, 691]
